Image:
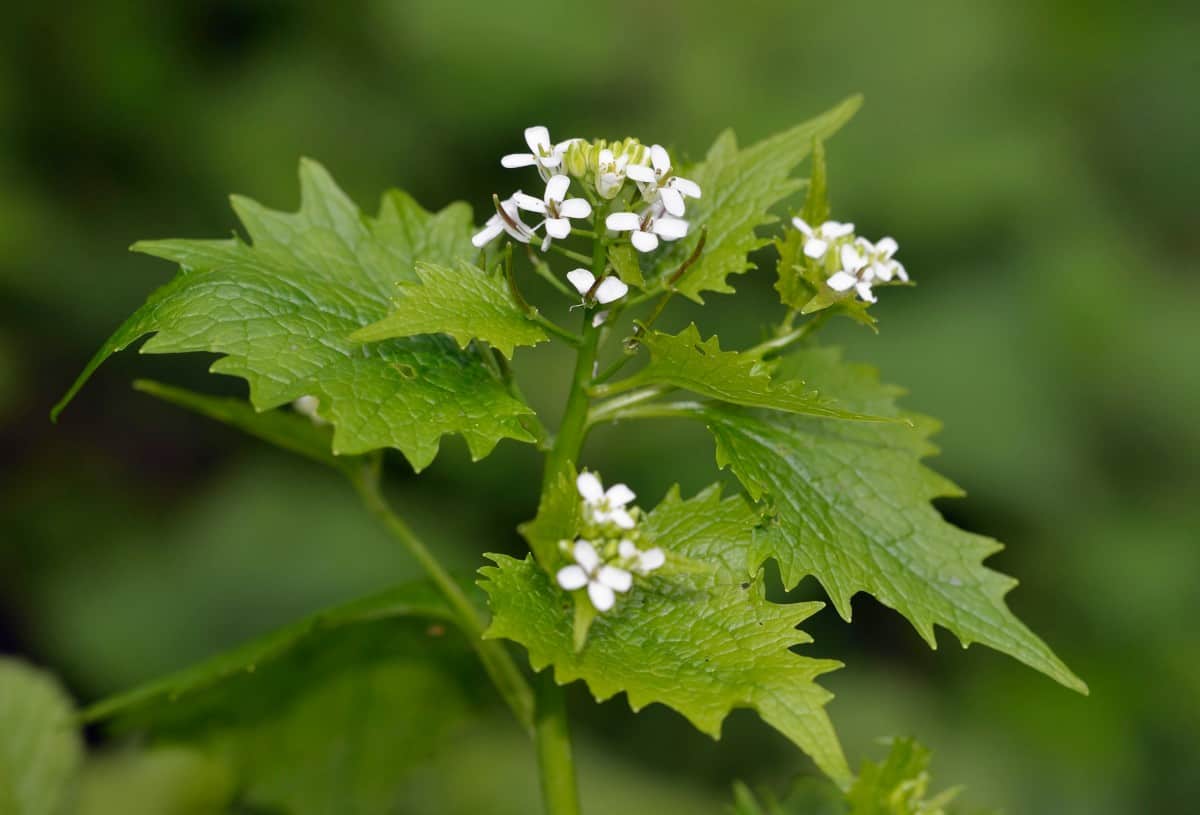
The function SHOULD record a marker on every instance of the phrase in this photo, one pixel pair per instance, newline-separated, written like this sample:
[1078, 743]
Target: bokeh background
[1036, 160]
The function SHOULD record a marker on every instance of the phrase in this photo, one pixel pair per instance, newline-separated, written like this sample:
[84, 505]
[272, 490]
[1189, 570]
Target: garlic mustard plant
[391, 331]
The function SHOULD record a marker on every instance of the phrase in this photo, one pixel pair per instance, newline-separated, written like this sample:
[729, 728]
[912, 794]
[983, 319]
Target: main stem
[555, 761]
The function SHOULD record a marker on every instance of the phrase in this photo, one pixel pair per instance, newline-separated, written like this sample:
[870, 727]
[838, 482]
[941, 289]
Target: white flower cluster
[606, 560]
[858, 263]
[663, 195]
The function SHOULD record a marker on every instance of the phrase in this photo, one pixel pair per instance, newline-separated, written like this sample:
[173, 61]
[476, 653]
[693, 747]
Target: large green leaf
[740, 187]
[462, 301]
[324, 717]
[685, 361]
[281, 309]
[40, 748]
[851, 503]
[701, 641]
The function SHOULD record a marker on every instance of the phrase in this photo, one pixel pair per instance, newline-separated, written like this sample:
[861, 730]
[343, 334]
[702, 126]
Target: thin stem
[530, 312]
[613, 407]
[504, 673]
[578, 257]
[555, 762]
[654, 410]
[546, 273]
[781, 341]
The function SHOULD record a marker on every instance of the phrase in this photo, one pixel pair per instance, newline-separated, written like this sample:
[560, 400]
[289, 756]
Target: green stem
[654, 410]
[504, 673]
[783, 340]
[605, 411]
[555, 763]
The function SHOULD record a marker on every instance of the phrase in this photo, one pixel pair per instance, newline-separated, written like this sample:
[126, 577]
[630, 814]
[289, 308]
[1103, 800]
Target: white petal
[619, 495]
[572, 577]
[582, 280]
[514, 160]
[538, 139]
[689, 188]
[900, 272]
[627, 550]
[651, 559]
[815, 248]
[623, 222]
[641, 173]
[558, 227]
[605, 158]
[489, 232]
[842, 281]
[610, 289]
[672, 200]
[575, 208]
[836, 229]
[887, 246]
[602, 596]
[802, 225]
[556, 188]
[864, 291]
[883, 271]
[851, 259]
[588, 483]
[660, 159]
[546, 241]
[564, 145]
[585, 555]
[670, 229]
[615, 578]
[622, 519]
[644, 241]
[552, 161]
[599, 318]
[529, 203]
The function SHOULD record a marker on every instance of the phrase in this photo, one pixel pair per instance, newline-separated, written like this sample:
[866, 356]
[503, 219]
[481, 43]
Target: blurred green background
[1037, 162]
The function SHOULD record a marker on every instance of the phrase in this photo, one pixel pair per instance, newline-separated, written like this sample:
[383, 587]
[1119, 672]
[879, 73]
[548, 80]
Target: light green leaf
[701, 642]
[740, 187]
[40, 748]
[282, 428]
[409, 600]
[624, 258]
[685, 361]
[851, 503]
[462, 301]
[897, 786]
[280, 312]
[323, 717]
[159, 781]
[558, 518]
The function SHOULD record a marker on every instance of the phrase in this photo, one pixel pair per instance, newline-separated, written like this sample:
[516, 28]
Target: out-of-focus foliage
[1035, 161]
[40, 748]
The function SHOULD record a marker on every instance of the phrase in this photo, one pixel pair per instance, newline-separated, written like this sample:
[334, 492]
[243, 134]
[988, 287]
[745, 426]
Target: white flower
[647, 228]
[307, 406]
[558, 211]
[610, 173]
[601, 579]
[879, 256]
[507, 219]
[819, 238]
[657, 182]
[855, 273]
[644, 562]
[610, 288]
[546, 156]
[607, 506]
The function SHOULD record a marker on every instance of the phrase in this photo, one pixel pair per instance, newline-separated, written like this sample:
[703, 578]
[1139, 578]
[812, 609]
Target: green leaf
[701, 642]
[409, 600]
[851, 503]
[558, 518]
[740, 187]
[898, 785]
[685, 361]
[326, 716]
[282, 428]
[280, 312]
[462, 301]
[624, 258]
[159, 781]
[40, 749]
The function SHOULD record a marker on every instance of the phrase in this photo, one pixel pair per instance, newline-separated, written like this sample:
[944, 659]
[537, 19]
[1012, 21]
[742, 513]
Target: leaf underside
[280, 311]
[740, 187]
[851, 507]
[701, 642]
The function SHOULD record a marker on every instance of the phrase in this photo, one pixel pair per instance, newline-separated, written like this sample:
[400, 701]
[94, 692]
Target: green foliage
[701, 642]
[280, 312]
[740, 188]
[323, 716]
[685, 361]
[851, 506]
[558, 518]
[624, 258]
[40, 750]
[897, 786]
[462, 301]
[157, 781]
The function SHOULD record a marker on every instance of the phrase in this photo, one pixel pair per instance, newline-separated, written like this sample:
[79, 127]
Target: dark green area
[1036, 162]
